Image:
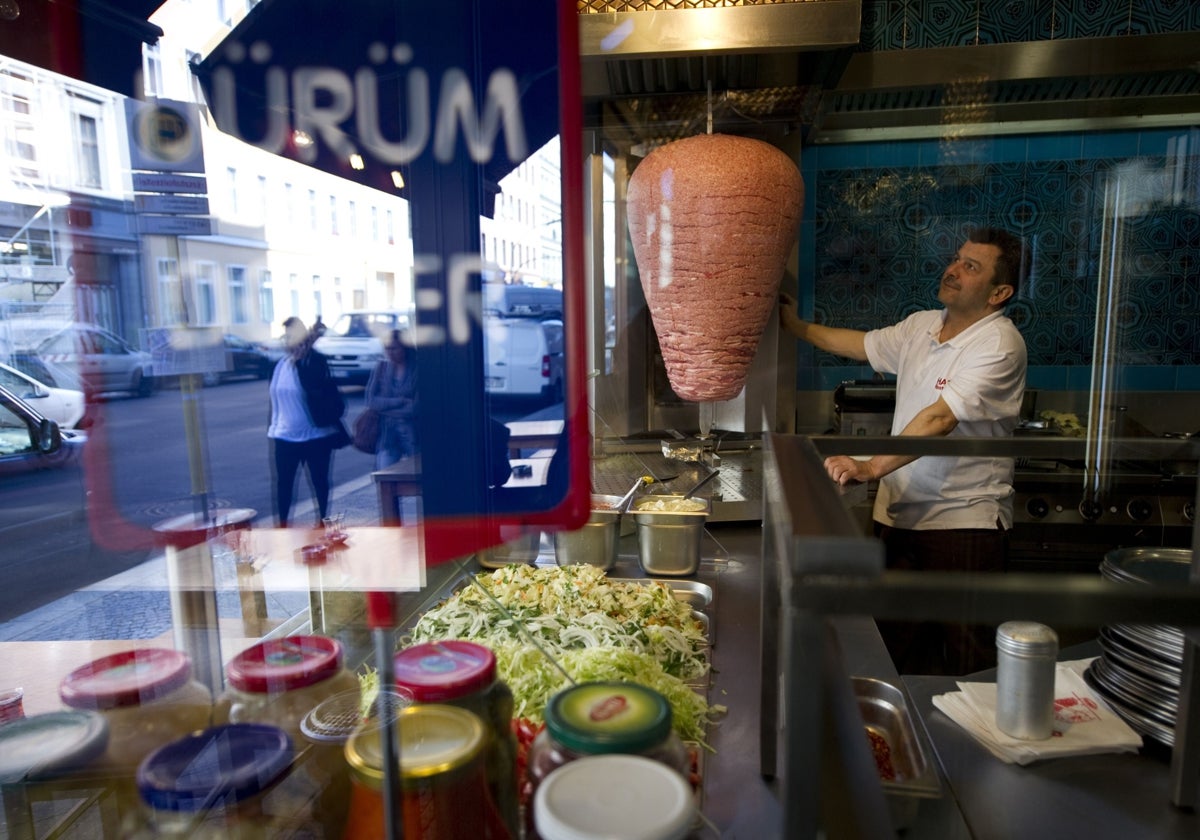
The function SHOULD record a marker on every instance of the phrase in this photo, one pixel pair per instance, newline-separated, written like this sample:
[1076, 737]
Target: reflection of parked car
[101, 360]
[63, 406]
[524, 358]
[354, 344]
[242, 359]
[29, 441]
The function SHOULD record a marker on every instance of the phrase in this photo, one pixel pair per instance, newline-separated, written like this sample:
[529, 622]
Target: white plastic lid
[602, 797]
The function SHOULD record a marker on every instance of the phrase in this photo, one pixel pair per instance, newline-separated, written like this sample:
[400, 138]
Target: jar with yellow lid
[148, 698]
[443, 784]
[463, 674]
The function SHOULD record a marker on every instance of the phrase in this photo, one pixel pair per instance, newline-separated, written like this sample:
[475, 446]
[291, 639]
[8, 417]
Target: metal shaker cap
[1026, 638]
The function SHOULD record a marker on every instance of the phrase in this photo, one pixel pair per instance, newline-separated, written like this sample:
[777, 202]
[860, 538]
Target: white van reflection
[524, 358]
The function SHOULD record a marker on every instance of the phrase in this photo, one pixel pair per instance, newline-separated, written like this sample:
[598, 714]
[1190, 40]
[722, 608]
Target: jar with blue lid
[224, 782]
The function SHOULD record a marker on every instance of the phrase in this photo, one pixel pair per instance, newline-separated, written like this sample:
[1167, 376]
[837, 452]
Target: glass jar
[223, 782]
[148, 698]
[602, 796]
[279, 681]
[600, 718]
[443, 777]
[40, 754]
[463, 674]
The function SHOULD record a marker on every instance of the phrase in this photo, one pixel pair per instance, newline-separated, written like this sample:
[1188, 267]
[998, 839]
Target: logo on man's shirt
[940, 384]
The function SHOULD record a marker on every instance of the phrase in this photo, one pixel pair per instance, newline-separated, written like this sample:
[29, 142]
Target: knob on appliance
[1037, 507]
[1139, 510]
[1090, 509]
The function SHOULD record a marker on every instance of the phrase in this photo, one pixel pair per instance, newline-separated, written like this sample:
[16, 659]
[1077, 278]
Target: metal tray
[885, 712]
[699, 595]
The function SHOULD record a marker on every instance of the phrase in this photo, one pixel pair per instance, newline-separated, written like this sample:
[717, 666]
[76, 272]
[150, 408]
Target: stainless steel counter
[1097, 797]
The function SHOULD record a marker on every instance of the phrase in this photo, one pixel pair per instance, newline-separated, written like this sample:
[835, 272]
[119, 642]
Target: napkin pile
[1083, 723]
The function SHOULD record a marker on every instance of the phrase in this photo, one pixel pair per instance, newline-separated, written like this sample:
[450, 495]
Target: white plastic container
[604, 796]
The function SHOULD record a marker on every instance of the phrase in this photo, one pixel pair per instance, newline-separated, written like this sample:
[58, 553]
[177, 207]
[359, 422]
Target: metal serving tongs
[623, 505]
[695, 487]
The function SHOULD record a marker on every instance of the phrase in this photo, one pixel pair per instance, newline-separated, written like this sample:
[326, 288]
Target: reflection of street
[50, 548]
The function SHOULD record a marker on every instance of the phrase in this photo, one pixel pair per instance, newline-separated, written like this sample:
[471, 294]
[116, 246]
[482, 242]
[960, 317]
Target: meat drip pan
[886, 716]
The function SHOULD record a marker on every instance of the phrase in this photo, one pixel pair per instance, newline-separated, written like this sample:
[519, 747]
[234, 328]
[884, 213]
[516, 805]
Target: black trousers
[317, 458]
[933, 647]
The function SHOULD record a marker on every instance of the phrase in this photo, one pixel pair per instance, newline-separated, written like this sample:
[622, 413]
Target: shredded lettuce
[593, 627]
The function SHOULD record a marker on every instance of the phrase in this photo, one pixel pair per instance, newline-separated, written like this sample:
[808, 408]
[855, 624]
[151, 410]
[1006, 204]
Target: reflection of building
[524, 236]
[286, 238]
[64, 199]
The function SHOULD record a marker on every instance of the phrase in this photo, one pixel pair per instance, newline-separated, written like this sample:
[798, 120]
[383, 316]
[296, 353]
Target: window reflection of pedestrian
[306, 425]
[392, 391]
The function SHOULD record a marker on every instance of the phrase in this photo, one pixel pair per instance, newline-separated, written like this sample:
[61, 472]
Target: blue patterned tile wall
[887, 217]
[917, 24]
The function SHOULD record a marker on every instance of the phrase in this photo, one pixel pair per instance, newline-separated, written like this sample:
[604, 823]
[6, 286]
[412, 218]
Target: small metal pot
[596, 542]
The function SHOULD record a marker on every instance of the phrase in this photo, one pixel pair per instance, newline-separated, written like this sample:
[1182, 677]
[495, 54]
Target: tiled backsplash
[916, 24]
[883, 219]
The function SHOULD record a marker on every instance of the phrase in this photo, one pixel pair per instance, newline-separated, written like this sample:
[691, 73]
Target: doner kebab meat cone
[712, 219]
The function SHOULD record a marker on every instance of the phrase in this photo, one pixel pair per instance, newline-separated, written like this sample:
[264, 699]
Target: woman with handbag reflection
[392, 392]
[306, 420]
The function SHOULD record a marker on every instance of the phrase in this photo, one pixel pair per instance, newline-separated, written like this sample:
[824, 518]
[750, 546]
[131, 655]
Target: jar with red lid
[228, 782]
[603, 718]
[280, 682]
[444, 792]
[463, 674]
[147, 696]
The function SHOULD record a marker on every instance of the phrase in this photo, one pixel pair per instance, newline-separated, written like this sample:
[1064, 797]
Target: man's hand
[846, 470]
[788, 319]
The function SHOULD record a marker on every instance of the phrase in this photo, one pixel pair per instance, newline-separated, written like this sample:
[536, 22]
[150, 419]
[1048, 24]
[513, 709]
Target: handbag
[366, 431]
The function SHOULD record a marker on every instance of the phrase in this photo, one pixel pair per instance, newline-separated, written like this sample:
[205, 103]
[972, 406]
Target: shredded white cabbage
[595, 628]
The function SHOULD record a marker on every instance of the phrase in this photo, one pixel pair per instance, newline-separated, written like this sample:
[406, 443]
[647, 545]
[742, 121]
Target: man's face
[967, 285]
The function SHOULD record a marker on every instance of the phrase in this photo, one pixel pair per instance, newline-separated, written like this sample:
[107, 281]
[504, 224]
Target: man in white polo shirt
[959, 371]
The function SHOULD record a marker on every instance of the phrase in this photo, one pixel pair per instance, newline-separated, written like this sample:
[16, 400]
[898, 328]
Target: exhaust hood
[1110, 83]
[655, 75]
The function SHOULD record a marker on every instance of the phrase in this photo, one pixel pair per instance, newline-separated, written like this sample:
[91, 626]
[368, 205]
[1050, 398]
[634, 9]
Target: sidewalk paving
[135, 604]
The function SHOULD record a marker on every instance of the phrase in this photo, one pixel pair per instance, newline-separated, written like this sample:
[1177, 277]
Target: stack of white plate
[1139, 668]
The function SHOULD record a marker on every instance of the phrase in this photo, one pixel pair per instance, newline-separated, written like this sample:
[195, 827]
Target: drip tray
[736, 493]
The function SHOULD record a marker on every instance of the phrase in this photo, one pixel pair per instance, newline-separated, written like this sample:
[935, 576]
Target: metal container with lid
[463, 674]
[605, 796]
[444, 791]
[1026, 653]
[601, 718]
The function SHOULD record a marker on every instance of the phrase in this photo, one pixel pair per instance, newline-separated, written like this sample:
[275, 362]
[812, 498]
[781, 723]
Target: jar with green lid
[443, 782]
[148, 697]
[463, 674]
[226, 782]
[599, 718]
